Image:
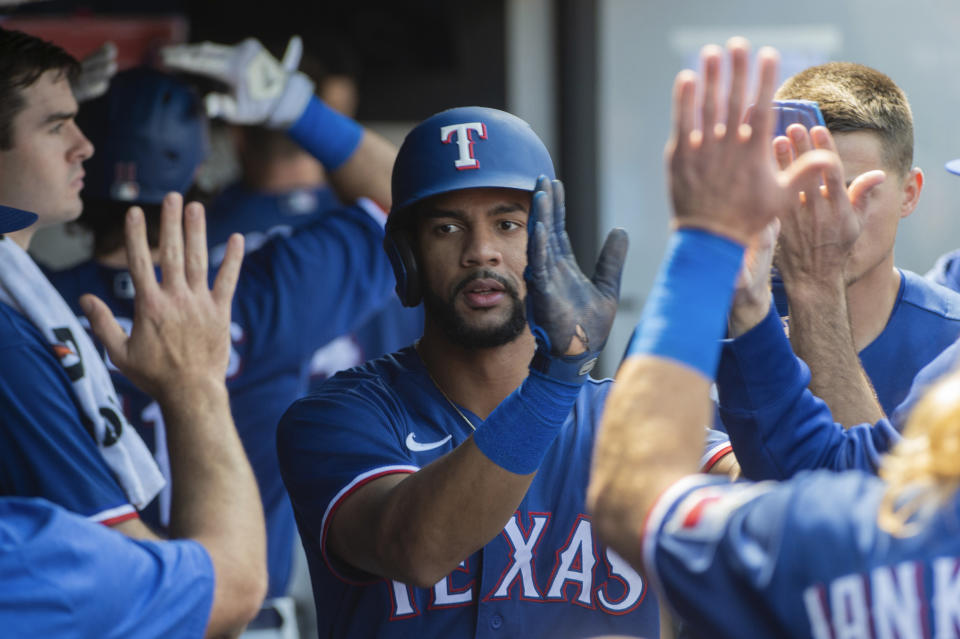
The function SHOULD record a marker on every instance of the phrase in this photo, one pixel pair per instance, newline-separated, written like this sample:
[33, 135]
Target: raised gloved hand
[570, 315]
[96, 70]
[263, 89]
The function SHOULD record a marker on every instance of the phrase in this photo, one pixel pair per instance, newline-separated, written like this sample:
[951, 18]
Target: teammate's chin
[467, 334]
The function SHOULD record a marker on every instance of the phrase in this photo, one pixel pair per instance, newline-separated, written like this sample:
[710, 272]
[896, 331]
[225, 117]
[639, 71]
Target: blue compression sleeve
[686, 312]
[518, 432]
[327, 135]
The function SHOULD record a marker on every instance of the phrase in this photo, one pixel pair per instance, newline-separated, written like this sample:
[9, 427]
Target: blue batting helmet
[150, 135]
[462, 148]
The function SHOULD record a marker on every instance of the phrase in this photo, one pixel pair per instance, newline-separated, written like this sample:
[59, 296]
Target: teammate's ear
[912, 186]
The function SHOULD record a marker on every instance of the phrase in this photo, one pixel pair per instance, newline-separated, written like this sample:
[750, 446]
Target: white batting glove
[263, 89]
[96, 70]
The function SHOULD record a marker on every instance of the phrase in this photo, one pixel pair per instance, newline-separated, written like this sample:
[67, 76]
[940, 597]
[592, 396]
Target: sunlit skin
[43, 172]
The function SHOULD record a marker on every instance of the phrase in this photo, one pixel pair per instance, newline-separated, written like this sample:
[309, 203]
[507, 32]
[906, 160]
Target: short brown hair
[854, 97]
[23, 59]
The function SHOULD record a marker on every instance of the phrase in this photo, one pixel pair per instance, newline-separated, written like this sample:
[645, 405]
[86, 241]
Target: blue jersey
[294, 294]
[261, 216]
[777, 426]
[925, 320]
[545, 575]
[802, 558]
[45, 448]
[65, 577]
[945, 362]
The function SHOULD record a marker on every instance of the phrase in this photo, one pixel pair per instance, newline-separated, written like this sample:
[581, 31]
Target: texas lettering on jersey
[582, 573]
[889, 601]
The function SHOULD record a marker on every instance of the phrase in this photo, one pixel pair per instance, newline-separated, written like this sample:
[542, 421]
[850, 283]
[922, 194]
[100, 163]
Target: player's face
[887, 203]
[473, 250]
[43, 172]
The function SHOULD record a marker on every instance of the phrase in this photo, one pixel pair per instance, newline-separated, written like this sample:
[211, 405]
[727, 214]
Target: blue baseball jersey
[294, 295]
[924, 321]
[64, 576]
[545, 575]
[46, 450]
[261, 216]
[776, 425]
[943, 364]
[802, 558]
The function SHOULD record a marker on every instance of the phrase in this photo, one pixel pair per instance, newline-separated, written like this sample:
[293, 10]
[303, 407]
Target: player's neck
[476, 379]
[870, 302]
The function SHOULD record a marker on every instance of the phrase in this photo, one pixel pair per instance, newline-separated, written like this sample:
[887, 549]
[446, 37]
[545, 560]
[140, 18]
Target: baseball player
[66, 576]
[899, 321]
[62, 433]
[824, 554]
[294, 295]
[439, 490]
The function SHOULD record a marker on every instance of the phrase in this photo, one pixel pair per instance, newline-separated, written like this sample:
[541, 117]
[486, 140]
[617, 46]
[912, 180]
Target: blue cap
[464, 148]
[805, 112]
[150, 134]
[12, 219]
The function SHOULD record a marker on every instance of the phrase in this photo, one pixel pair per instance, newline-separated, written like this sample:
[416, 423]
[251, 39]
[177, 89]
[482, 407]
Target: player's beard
[456, 328]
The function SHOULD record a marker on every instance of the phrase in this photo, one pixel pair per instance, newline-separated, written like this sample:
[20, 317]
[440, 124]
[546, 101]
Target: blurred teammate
[439, 490]
[284, 187]
[823, 555]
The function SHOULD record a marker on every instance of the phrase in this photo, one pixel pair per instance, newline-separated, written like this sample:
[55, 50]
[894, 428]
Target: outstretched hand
[722, 174]
[568, 313]
[822, 224]
[181, 327]
[263, 90]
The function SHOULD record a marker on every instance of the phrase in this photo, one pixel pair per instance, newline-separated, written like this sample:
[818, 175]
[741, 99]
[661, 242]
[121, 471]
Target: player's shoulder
[378, 383]
[929, 296]
[16, 330]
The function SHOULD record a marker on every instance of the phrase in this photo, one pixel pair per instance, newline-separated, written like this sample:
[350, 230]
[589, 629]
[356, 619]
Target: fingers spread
[139, 260]
[226, 282]
[291, 57]
[710, 57]
[171, 239]
[195, 242]
[768, 62]
[684, 118]
[609, 269]
[739, 51]
[782, 151]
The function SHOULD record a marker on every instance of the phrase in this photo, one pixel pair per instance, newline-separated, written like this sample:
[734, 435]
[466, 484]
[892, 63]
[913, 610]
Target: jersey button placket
[496, 622]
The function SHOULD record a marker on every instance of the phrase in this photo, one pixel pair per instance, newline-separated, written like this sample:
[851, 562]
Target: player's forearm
[215, 498]
[439, 516]
[821, 336]
[650, 436]
[359, 162]
[366, 173]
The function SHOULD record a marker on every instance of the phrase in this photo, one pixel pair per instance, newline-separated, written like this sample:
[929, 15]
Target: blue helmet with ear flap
[456, 149]
[150, 134]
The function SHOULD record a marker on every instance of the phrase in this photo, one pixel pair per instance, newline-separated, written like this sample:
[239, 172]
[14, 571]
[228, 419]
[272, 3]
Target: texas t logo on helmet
[464, 139]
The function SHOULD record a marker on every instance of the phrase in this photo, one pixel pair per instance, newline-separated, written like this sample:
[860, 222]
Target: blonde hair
[923, 470]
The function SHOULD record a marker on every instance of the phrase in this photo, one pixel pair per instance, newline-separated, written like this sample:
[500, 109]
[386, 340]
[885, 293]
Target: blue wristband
[519, 431]
[329, 136]
[685, 316]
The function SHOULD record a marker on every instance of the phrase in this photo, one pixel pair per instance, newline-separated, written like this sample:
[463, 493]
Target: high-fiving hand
[569, 314]
[181, 327]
